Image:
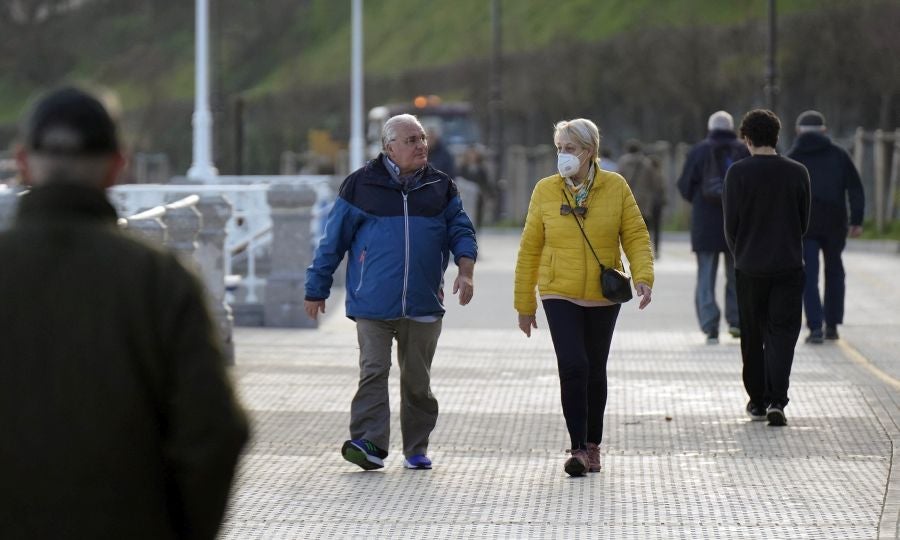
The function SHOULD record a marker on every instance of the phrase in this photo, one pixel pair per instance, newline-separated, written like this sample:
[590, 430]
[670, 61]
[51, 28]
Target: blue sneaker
[418, 461]
[364, 453]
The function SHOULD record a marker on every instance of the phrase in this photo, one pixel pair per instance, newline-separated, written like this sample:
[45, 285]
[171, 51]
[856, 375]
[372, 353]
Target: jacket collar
[65, 202]
[375, 172]
[811, 142]
[722, 135]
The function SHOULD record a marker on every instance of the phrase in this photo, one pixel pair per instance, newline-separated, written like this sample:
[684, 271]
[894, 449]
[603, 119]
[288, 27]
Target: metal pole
[495, 105]
[357, 143]
[239, 136]
[202, 167]
[771, 73]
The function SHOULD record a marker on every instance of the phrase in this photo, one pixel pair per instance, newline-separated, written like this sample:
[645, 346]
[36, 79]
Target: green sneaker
[364, 453]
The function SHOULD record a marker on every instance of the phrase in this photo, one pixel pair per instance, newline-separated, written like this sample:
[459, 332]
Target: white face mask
[568, 164]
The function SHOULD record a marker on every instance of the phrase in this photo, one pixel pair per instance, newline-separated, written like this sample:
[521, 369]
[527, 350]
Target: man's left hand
[463, 283]
[855, 231]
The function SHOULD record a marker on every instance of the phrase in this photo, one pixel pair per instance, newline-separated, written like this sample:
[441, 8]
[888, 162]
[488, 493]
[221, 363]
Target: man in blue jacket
[707, 236]
[834, 181]
[399, 219]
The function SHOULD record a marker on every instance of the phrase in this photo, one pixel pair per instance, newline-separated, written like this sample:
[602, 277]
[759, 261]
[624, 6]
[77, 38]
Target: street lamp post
[357, 143]
[202, 167]
[771, 72]
[495, 105]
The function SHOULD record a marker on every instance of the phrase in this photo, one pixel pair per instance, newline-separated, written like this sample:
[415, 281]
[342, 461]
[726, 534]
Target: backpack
[712, 180]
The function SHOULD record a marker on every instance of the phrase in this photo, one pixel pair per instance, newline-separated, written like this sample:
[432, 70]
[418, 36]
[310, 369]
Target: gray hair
[580, 131]
[389, 131]
[720, 120]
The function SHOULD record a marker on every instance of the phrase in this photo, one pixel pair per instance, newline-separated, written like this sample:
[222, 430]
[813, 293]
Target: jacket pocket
[362, 270]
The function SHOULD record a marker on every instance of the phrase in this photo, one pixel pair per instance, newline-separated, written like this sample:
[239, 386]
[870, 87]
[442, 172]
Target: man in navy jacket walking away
[833, 181]
[398, 219]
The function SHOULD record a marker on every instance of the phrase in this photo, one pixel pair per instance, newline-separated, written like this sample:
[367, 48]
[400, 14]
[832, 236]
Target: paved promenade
[680, 459]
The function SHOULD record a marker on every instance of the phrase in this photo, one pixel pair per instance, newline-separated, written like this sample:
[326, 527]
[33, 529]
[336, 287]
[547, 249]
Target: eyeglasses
[565, 210]
[414, 140]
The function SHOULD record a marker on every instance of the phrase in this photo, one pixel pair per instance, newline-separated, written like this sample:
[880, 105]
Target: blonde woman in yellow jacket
[555, 258]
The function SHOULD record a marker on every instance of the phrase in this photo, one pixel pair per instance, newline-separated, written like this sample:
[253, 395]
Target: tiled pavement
[680, 458]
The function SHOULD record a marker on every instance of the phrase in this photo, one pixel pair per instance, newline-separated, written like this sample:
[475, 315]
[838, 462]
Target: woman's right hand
[526, 323]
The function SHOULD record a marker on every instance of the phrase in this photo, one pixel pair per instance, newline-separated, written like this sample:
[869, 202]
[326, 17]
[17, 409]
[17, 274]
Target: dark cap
[70, 122]
[811, 119]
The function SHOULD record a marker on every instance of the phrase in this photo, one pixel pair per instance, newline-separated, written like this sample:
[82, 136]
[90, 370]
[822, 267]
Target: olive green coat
[117, 419]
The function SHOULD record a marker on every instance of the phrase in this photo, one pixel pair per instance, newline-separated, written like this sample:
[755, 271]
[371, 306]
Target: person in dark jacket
[473, 169]
[117, 416]
[766, 211]
[438, 156]
[399, 219]
[647, 184]
[834, 181]
[707, 239]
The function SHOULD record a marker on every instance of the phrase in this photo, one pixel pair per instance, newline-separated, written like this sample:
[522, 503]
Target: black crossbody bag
[615, 284]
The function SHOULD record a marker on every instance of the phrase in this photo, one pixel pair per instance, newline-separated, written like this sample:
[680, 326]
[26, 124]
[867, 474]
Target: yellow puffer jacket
[553, 254]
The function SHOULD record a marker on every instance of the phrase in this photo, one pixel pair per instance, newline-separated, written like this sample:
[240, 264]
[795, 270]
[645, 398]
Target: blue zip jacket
[399, 243]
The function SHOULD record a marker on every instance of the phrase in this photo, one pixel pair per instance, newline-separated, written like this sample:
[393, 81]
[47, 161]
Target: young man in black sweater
[766, 210]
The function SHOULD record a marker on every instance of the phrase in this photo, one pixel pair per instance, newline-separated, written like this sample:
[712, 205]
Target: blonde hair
[580, 131]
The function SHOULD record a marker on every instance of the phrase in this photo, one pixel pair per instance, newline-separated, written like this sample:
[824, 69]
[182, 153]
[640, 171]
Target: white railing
[250, 281]
[158, 212]
[248, 232]
[244, 231]
[197, 226]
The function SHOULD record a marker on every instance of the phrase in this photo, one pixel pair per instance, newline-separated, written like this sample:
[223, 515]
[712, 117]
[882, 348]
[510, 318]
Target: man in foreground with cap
[116, 414]
[833, 179]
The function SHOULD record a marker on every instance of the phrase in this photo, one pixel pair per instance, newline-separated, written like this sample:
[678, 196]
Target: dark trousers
[831, 248]
[771, 316]
[581, 339]
[653, 220]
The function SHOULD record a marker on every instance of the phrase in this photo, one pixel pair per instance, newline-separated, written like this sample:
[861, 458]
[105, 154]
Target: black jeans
[653, 220]
[581, 338]
[831, 248]
[771, 316]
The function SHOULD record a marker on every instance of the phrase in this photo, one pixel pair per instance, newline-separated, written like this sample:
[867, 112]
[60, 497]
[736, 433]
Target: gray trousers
[370, 414]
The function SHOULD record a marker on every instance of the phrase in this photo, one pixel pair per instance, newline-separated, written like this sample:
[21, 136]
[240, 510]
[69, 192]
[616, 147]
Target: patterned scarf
[580, 193]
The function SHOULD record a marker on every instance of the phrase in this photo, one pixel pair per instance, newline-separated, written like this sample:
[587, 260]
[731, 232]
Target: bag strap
[581, 228]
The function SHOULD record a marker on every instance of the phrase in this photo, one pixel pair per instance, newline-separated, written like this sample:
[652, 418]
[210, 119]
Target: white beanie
[720, 120]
